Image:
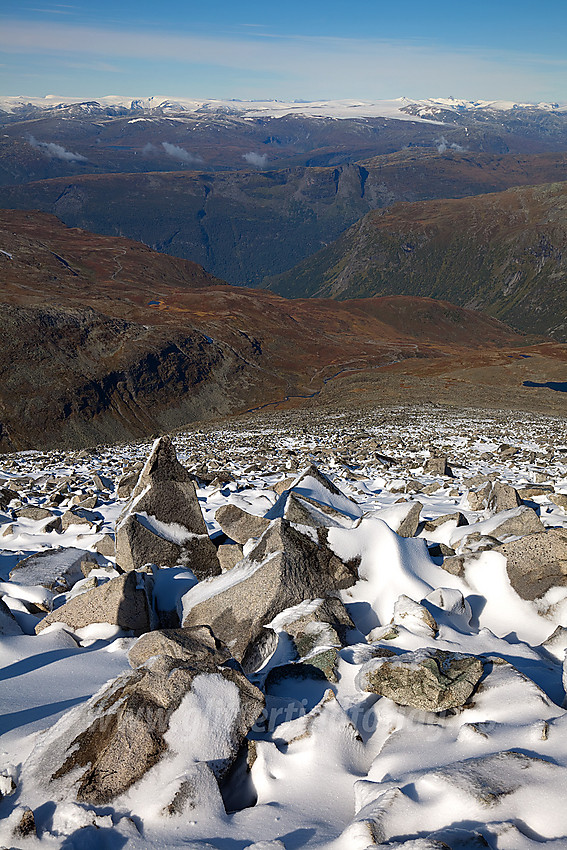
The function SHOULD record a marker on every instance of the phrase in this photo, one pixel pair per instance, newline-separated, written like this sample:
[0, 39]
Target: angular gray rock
[458, 518]
[197, 645]
[409, 525]
[427, 679]
[503, 497]
[284, 568]
[25, 827]
[83, 518]
[323, 620]
[535, 490]
[302, 512]
[33, 512]
[478, 499]
[88, 502]
[229, 555]
[284, 485]
[239, 525]
[437, 465]
[6, 496]
[56, 569]
[518, 523]
[162, 523]
[101, 749]
[126, 484]
[106, 546]
[316, 489]
[121, 601]
[8, 624]
[559, 499]
[536, 562]
[414, 617]
[316, 629]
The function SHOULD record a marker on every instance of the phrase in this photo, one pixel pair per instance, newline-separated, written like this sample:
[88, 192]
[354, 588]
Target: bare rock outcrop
[284, 568]
[162, 522]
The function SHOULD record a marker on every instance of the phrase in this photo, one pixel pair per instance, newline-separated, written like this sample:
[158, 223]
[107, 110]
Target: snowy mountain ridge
[402, 108]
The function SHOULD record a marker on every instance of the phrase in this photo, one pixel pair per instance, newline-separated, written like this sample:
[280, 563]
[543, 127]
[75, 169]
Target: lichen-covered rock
[427, 679]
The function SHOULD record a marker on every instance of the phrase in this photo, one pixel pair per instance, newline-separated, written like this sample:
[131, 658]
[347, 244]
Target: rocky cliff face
[245, 225]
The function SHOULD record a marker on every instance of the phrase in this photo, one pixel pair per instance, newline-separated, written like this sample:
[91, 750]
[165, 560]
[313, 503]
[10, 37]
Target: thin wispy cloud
[307, 66]
[104, 67]
[258, 160]
[55, 151]
[174, 151]
[180, 154]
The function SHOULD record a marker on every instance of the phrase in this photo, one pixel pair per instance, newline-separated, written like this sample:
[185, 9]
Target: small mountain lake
[558, 386]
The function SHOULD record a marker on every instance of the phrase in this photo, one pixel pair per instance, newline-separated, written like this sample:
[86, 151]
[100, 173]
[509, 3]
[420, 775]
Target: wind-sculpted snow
[404, 552]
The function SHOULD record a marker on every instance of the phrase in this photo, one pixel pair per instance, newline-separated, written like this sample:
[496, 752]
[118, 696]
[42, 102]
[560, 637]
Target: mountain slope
[105, 340]
[505, 254]
[242, 226]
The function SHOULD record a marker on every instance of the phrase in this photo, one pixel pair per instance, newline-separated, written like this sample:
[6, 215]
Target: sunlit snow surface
[355, 769]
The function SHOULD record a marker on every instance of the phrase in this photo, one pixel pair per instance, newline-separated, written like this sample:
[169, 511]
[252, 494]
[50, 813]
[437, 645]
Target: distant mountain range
[105, 339]
[401, 108]
[55, 137]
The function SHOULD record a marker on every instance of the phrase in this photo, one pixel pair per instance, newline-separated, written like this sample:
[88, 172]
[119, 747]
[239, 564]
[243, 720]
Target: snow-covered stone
[284, 568]
[162, 523]
[57, 569]
[172, 711]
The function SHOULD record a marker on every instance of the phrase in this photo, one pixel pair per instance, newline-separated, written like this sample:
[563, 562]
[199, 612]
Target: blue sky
[368, 49]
